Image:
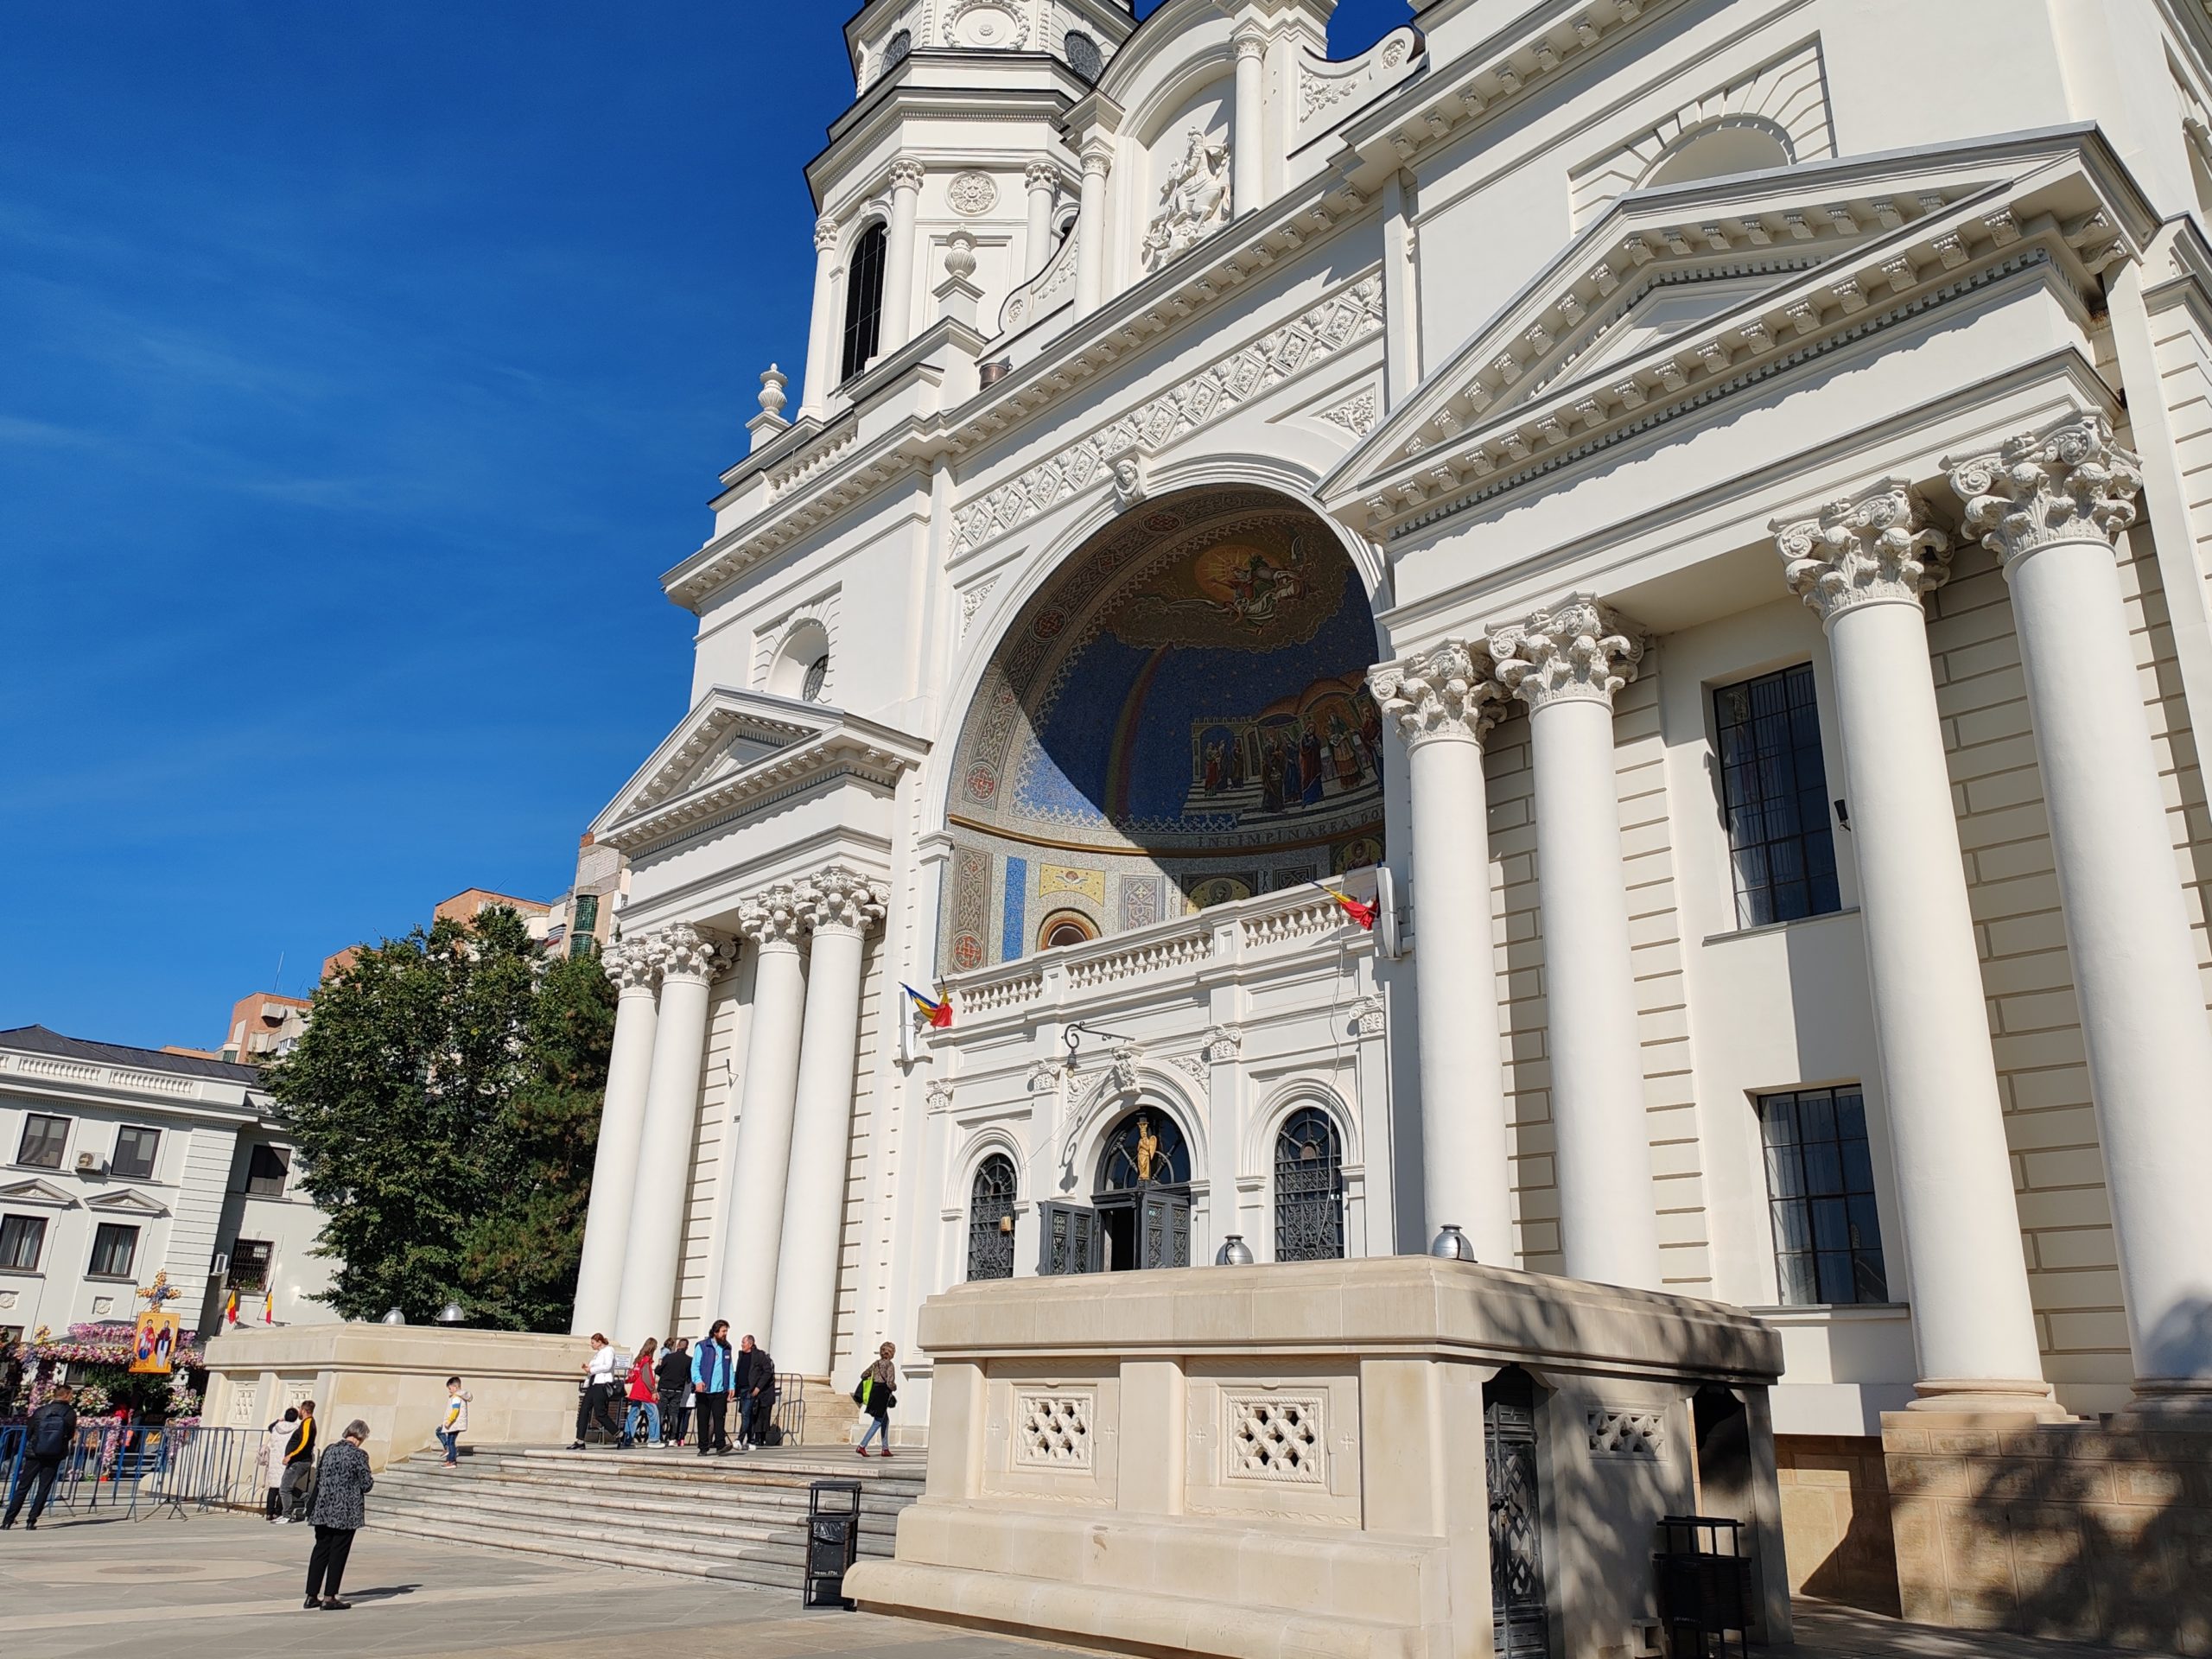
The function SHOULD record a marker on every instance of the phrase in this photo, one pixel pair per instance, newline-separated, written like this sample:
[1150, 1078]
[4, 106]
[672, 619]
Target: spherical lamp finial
[1453, 1245]
[1234, 1252]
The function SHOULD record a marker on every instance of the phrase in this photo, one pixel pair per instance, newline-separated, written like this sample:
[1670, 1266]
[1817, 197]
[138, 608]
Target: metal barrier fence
[132, 1470]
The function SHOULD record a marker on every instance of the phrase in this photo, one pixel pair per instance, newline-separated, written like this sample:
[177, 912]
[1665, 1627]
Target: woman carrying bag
[644, 1399]
[877, 1394]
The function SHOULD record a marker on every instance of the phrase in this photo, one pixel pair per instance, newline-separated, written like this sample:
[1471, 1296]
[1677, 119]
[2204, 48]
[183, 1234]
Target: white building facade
[1690, 508]
[126, 1162]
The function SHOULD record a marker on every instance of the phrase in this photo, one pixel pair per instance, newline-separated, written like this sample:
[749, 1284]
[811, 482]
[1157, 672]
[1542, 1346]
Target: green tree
[445, 1101]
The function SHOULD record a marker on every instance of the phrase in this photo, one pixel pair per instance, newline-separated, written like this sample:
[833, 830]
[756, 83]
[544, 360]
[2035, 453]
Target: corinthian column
[1090, 225]
[690, 958]
[1248, 150]
[2049, 504]
[635, 969]
[754, 1226]
[900, 260]
[822, 337]
[1565, 665]
[1445, 702]
[1044, 181]
[839, 908]
[1863, 564]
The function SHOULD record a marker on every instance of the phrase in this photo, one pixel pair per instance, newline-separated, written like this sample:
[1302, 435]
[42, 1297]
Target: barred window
[1309, 1189]
[1773, 790]
[1819, 1180]
[990, 1219]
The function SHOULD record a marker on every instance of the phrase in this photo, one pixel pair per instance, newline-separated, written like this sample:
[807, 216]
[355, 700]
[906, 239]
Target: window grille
[990, 1220]
[1084, 56]
[44, 1140]
[1309, 1189]
[1775, 792]
[115, 1251]
[135, 1152]
[864, 300]
[1819, 1179]
[250, 1260]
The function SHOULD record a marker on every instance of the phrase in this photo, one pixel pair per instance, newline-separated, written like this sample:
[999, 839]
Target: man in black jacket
[298, 1467]
[755, 1387]
[673, 1380]
[46, 1440]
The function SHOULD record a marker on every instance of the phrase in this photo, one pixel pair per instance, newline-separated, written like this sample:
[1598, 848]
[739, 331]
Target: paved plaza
[228, 1587]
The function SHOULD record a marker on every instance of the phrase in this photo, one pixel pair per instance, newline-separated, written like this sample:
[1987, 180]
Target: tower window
[864, 300]
[897, 50]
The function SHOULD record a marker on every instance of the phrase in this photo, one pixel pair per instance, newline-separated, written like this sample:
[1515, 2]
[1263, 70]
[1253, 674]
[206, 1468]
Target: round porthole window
[817, 676]
[1082, 55]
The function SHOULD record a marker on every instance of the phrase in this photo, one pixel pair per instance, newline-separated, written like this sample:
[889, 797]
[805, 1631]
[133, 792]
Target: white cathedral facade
[1697, 509]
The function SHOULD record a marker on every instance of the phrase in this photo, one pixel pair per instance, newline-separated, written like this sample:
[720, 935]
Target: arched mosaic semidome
[1178, 719]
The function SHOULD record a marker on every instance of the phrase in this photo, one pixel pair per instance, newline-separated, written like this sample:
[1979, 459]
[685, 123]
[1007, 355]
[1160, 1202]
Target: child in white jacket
[456, 1422]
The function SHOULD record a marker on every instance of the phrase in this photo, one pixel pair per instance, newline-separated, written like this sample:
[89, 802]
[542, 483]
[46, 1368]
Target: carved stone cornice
[1579, 651]
[632, 965]
[1451, 691]
[2070, 482]
[1876, 548]
[689, 952]
[839, 901]
[772, 919]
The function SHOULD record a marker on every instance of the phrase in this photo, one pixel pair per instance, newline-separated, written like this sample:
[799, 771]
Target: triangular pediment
[38, 1192]
[736, 746]
[128, 1201]
[1675, 295]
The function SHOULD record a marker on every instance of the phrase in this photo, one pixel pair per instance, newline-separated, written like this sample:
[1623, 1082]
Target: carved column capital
[825, 234]
[1875, 548]
[1097, 153]
[1450, 691]
[2070, 482]
[1578, 650]
[632, 965]
[839, 901]
[906, 174]
[1042, 177]
[772, 920]
[689, 952]
[1250, 40]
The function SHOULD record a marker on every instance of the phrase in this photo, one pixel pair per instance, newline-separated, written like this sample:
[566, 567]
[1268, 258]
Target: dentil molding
[2070, 482]
[1580, 650]
[1873, 548]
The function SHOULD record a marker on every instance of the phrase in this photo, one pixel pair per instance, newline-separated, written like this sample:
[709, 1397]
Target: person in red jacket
[644, 1399]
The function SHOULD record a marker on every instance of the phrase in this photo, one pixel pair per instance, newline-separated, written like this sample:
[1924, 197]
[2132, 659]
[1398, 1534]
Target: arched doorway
[1179, 718]
[1139, 1216]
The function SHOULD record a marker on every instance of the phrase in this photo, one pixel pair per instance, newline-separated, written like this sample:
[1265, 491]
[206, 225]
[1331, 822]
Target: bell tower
[947, 185]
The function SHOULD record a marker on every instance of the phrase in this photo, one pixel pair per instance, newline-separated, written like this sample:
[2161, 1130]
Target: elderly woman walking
[877, 1393]
[340, 1484]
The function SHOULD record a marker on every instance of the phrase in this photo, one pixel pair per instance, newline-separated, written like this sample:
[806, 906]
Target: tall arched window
[864, 299]
[1309, 1189]
[990, 1219]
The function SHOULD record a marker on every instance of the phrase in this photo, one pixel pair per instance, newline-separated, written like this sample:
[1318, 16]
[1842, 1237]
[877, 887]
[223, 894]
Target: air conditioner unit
[90, 1163]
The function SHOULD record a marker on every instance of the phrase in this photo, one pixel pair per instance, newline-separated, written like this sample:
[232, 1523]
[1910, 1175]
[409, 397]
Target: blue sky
[365, 366]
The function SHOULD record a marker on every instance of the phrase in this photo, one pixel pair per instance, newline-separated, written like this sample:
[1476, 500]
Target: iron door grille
[990, 1220]
[1309, 1189]
[1070, 1233]
[1519, 1622]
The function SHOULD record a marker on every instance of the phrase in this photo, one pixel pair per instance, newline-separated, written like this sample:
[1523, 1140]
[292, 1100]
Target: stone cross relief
[1193, 202]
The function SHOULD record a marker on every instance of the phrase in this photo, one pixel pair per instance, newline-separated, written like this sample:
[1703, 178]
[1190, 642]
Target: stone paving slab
[220, 1586]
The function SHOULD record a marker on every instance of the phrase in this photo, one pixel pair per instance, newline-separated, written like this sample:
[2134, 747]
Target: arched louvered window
[900, 48]
[990, 1219]
[1309, 1189]
[864, 300]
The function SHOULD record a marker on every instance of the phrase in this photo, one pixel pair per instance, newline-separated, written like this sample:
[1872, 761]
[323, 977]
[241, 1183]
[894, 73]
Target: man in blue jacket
[46, 1440]
[711, 1380]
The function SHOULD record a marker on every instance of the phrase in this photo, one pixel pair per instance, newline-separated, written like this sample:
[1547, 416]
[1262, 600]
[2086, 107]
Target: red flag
[1361, 913]
[231, 1314]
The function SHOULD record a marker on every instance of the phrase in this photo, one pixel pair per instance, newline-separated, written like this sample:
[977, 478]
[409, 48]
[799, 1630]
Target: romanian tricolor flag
[1361, 913]
[231, 1314]
[937, 1014]
[269, 1308]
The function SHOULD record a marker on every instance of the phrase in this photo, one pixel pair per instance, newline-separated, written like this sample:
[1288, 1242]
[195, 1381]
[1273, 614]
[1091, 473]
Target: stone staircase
[741, 1518]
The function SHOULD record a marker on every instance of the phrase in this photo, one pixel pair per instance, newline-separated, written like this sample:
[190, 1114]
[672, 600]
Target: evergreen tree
[445, 1100]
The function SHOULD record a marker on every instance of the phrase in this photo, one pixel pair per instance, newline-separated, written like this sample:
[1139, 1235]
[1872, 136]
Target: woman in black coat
[340, 1485]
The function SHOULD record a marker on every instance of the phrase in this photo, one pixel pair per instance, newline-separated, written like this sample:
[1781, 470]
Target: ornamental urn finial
[773, 395]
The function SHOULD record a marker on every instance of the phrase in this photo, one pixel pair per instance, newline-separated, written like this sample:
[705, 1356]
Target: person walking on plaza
[599, 1388]
[877, 1394]
[46, 1440]
[711, 1374]
[270, 1458]
[343, 1482]
[456, 1423]
[643, 1397]
[299, 1465]
[674, 1376]
[756, 1395]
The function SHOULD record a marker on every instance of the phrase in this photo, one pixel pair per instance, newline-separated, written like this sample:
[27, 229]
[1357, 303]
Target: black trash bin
[833, 1541]
[1705, 1586]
